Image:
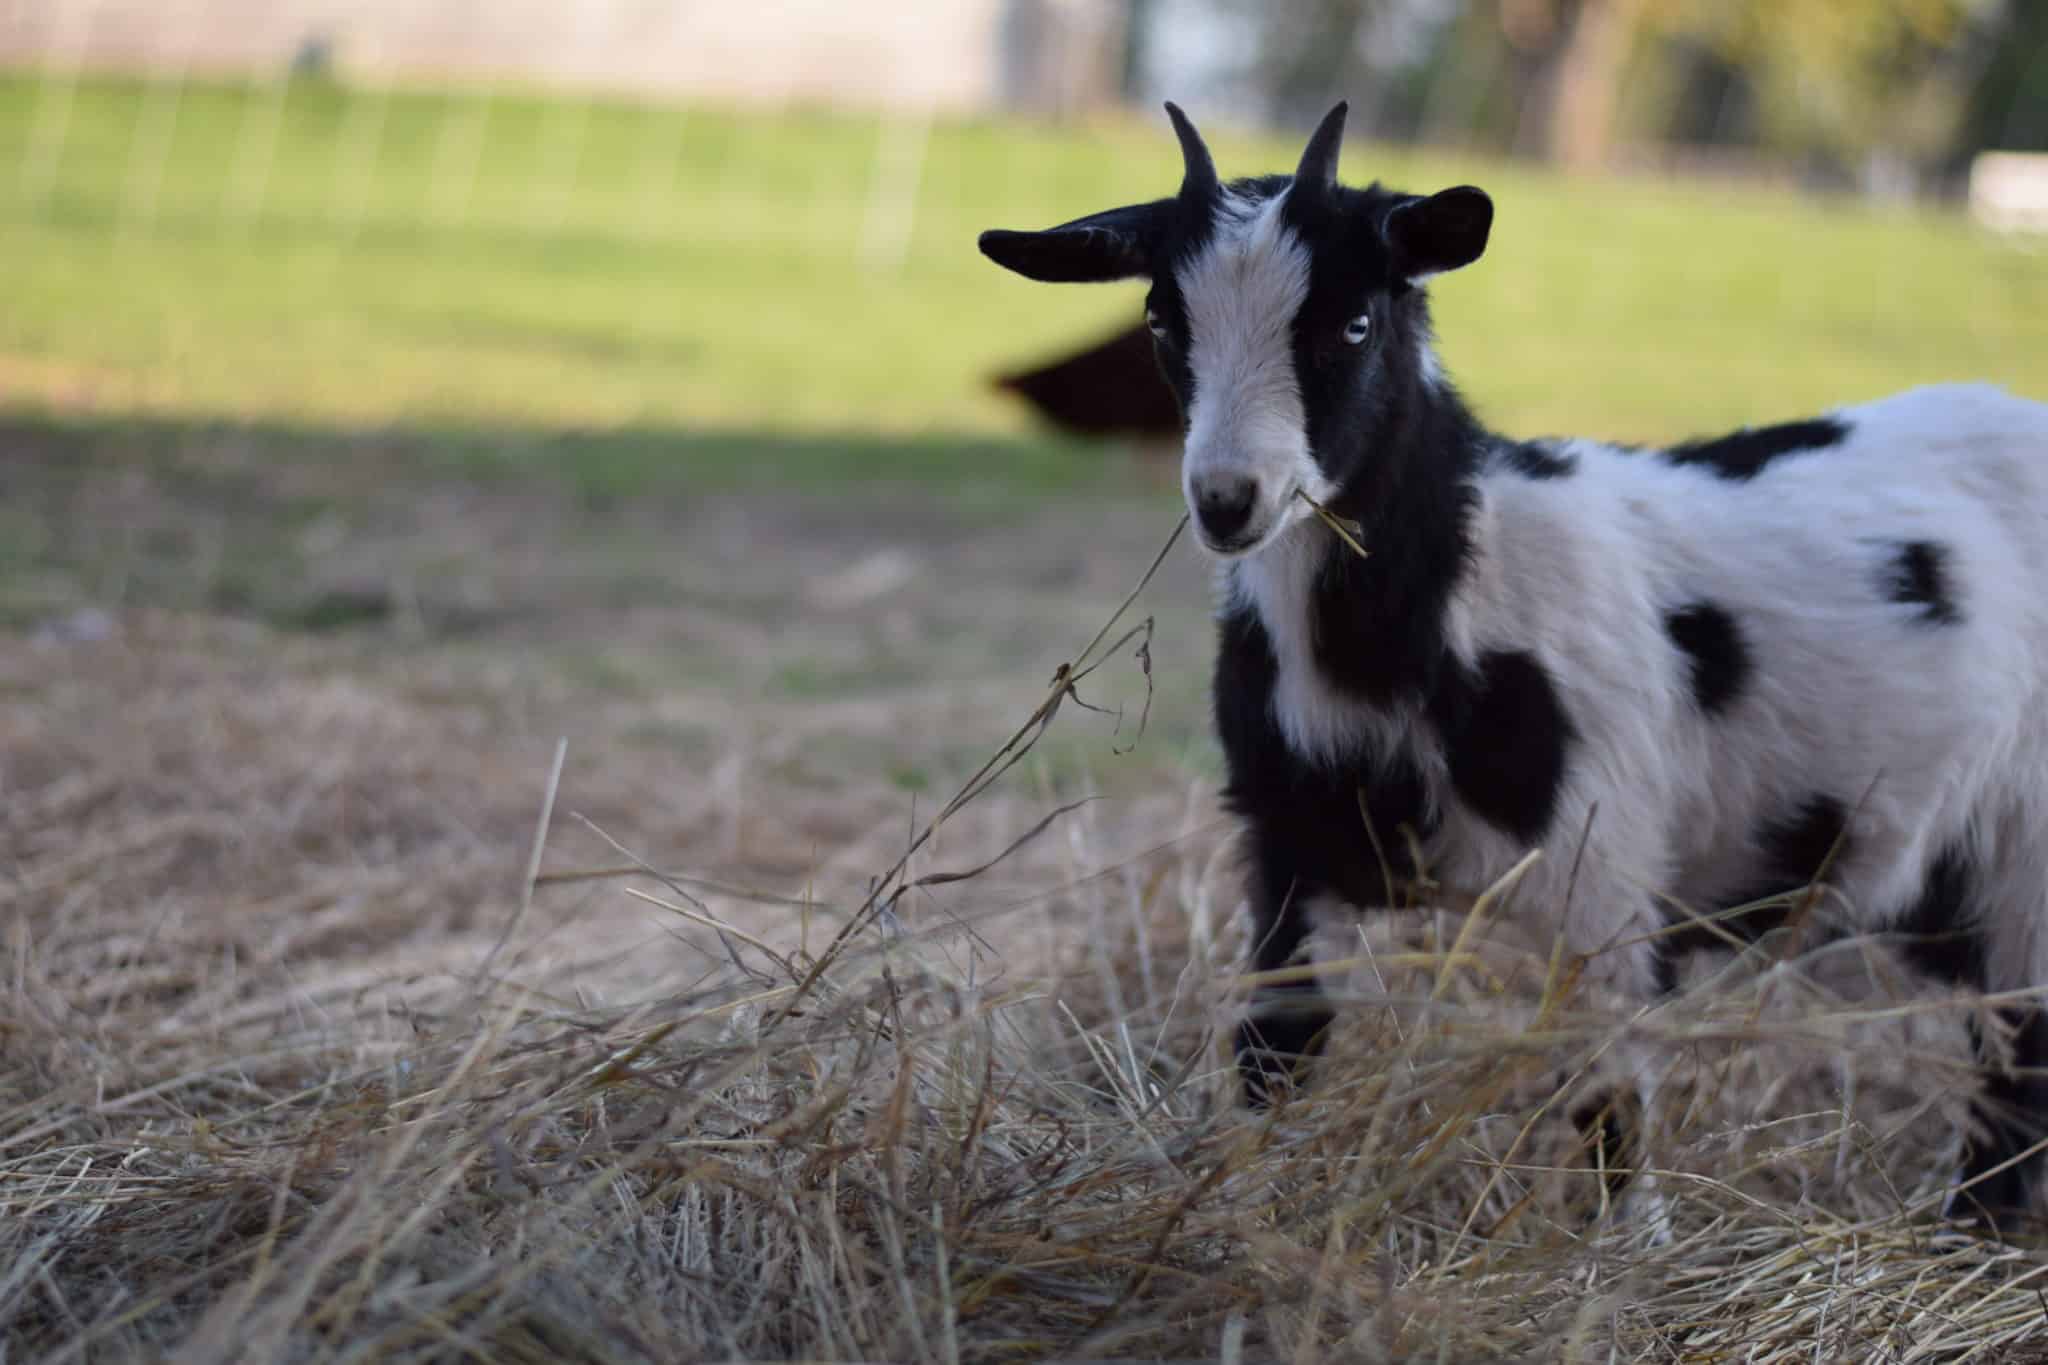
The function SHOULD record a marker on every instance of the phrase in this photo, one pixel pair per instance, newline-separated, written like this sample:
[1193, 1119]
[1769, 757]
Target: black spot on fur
[1941, 936]
[1792, 852]
[1937, 934]
[1505, 735]
[1709, 638]
[1797, 849]
[1918, 575]
[1744, 454]
[1535, 460]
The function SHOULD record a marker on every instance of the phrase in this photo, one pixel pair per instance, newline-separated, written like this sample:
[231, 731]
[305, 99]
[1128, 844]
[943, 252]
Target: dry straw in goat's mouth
[1347, 530]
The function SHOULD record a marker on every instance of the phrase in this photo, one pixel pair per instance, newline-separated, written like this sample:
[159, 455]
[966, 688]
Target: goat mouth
[1254, 539]
[1239, 546]
[1232, 549]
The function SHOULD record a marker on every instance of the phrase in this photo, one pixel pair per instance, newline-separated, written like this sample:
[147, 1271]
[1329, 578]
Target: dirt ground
[302, 715]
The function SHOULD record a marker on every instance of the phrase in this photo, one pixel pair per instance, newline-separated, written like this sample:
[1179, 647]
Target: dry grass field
[346, 1016]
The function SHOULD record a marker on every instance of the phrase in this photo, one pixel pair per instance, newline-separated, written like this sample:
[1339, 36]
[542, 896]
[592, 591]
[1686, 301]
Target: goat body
[1694, 678]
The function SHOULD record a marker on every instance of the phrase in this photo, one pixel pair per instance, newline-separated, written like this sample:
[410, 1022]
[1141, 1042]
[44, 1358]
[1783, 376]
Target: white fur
[1245, 420]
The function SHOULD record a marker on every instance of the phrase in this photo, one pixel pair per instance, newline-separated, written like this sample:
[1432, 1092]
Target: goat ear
[1112, 245]
[1445, 231]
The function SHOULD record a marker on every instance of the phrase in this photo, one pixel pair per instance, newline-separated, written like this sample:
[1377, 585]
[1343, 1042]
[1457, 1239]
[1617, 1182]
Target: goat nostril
[1225, 506]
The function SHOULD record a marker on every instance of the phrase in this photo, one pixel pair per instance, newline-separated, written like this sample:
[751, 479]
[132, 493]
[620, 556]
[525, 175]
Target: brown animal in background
[1112, 388]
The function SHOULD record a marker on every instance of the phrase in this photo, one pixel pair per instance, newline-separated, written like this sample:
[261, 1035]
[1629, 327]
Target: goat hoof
[2014, 1225]
[1610, 1143]
[2000, 1204]
[1273, 1048]
[2000, 1207]
[1645, 1206]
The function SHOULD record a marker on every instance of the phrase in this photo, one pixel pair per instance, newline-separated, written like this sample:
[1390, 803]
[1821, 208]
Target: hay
[257, 1107]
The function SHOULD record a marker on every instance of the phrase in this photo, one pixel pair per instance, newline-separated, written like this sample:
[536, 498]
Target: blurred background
[761, 217]
[625, 371]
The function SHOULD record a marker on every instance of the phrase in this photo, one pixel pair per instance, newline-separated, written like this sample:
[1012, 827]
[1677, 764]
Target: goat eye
[1355, 330]
[1152, 322]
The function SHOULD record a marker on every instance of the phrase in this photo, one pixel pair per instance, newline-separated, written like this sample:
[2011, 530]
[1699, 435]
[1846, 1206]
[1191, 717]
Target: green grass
[311, 255]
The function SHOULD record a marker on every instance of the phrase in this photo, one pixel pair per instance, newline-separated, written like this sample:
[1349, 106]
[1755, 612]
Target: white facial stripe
[1246, 421]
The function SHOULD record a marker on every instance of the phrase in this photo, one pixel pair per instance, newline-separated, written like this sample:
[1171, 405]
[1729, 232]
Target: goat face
[1286, 318]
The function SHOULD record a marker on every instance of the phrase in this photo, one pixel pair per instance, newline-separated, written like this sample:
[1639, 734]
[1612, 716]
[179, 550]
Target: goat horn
[1199, 180]
[1319, 161]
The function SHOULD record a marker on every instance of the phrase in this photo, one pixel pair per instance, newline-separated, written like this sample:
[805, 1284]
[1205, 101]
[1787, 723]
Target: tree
[2008, 101]
[1579, 72]
[1839, 80]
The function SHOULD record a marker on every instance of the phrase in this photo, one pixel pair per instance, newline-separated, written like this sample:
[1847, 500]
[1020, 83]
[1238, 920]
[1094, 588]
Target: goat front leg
[1287, 1021]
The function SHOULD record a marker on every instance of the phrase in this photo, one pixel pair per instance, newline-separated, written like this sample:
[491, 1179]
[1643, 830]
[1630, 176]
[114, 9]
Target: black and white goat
[1691, 677]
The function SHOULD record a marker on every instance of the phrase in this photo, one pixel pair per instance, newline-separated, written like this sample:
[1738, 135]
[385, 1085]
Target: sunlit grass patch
[312, 253]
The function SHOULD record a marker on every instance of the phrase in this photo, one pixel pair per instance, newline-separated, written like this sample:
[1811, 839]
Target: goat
[1690, 677]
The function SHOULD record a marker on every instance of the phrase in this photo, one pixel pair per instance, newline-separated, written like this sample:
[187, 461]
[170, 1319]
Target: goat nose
[1224, 505]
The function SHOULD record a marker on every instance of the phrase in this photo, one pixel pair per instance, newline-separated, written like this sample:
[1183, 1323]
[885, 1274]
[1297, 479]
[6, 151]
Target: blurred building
[1046, 56]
